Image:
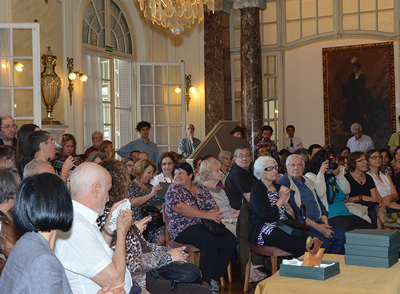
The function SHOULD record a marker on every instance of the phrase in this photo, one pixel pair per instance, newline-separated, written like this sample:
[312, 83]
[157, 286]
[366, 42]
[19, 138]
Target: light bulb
[72, 76]
[83, 77]
[192, 90]
[19, 66]
[177, 90]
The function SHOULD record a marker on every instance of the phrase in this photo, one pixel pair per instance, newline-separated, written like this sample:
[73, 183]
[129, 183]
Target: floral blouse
[177, 194]
[141, 256]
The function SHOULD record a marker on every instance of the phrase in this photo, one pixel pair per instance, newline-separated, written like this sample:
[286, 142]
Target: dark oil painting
[359, 87]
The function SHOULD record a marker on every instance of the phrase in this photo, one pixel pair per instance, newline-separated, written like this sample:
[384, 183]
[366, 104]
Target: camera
[332, 165]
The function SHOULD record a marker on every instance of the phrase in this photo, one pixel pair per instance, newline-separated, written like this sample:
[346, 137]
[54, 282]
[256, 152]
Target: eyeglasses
[375, 157]
[361, 160]
[8, 127]
[271, 168]
[167, 163]
[242, 156]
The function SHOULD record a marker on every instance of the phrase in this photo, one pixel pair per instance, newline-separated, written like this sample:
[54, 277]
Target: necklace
[359, 179]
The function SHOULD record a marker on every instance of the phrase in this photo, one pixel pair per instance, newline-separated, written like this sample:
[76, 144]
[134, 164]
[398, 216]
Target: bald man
[84, 251]
[189, 144]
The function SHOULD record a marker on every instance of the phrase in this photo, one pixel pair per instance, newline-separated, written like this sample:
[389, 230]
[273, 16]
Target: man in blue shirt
[303, 192]
[141, 144]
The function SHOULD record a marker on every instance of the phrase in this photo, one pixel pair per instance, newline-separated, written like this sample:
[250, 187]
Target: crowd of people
[97, 225]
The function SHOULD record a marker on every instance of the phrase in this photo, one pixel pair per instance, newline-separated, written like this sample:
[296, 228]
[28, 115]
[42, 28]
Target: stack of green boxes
[374, 248]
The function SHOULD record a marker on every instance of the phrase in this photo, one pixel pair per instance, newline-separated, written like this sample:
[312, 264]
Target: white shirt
[84, 253]
[383, 186]
[297, 143]
[364, 144]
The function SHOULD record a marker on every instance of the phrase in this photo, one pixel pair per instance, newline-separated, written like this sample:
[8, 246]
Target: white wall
[303, 87]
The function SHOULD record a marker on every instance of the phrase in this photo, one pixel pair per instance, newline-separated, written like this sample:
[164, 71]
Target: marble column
[251, 69]
[214, 39]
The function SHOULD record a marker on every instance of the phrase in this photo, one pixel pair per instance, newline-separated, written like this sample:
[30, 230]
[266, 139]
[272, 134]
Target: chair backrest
[242, 233]
[166, 221]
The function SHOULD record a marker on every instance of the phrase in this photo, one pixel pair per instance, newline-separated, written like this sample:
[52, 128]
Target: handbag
[214, 227]
[178, 273]
[292, 227]
[210, 225]
[156, 219]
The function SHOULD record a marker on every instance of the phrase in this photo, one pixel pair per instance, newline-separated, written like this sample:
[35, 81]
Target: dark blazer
[261, 210]
[32, 267]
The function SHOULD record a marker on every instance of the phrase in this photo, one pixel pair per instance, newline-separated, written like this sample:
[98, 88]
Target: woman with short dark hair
[42, 206]
[186, 203]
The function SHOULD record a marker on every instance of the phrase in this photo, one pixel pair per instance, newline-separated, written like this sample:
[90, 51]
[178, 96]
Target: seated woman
[108, 148]
[383, 181]
[32, 258]
[363, 189]
[185, 204]
[165, 166]
[142, 257]
[269, 204]
[344, 151]
[23, 154]
[211, 174]
[9, 182]
[141, 193]
[332, 187]
[129, 163]
[225, 157]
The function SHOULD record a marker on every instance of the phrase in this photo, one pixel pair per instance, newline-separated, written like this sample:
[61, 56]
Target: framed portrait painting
[359, 88]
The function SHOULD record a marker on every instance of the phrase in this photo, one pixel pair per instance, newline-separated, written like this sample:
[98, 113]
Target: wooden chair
[272, 252]
[245, 245]
[194, 252]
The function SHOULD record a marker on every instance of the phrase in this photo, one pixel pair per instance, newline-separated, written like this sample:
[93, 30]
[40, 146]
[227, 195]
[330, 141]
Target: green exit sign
[109, 49]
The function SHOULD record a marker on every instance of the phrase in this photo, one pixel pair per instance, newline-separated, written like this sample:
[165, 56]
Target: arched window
[107, 42]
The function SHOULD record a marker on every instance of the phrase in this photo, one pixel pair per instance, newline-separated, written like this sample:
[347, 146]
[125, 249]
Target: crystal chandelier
[175, 14]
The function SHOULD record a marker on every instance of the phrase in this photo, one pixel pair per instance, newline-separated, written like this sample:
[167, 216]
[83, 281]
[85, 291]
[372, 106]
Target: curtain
[5, 72]
[93, 104]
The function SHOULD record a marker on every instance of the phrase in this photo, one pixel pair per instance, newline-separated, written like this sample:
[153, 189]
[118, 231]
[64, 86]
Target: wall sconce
[188, 89]
[18, 66]
[72, 76]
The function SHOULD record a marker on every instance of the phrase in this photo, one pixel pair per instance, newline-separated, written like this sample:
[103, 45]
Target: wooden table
[352, 280]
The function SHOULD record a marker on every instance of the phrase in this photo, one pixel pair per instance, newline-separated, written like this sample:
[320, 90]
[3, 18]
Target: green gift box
[380, 238]
[370, 261]
[373, 251]
[306, 272]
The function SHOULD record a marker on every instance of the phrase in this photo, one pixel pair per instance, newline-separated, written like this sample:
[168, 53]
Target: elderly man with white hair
[302, 191]
[359, 142]
[97, 138]
[84, 251]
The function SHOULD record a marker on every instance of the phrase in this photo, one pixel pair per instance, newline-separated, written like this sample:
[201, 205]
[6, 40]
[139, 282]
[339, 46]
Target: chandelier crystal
[175, 14]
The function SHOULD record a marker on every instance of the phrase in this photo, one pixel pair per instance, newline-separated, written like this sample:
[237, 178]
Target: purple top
[177, 194]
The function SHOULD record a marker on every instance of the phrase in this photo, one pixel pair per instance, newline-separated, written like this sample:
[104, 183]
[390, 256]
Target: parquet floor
[236, 286]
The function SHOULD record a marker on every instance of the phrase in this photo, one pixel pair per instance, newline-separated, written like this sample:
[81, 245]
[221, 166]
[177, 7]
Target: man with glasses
[240, 180]
[8, 131]
[303, 192]
[97, 138]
